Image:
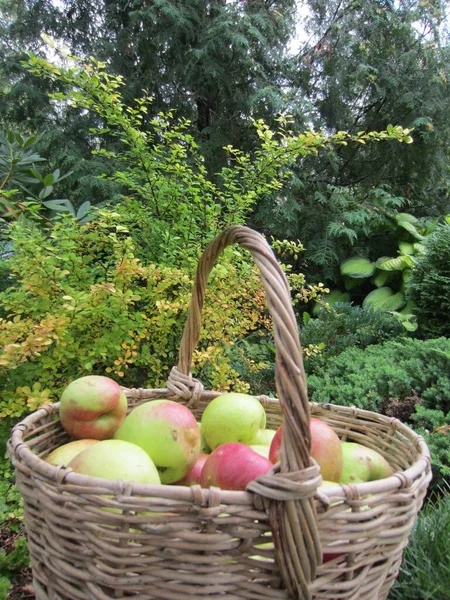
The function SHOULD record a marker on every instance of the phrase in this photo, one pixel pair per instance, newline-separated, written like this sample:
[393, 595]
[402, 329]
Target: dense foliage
[395, 369]
[344, 325]
[429, 285]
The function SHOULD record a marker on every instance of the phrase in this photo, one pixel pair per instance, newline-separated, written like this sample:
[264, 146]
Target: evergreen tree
[216, 62]
[365, 66]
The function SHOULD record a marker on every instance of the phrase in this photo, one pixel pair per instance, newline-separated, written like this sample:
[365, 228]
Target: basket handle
[291, 491]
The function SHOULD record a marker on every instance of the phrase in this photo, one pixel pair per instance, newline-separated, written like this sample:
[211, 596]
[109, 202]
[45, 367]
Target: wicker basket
[92, 539]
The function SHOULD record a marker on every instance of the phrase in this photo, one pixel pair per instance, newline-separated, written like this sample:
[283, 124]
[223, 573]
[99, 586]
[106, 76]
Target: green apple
[360, 464]
[64, 454]
[232, 417]
[263, 437]
[260, 449]
[168, 432]
[92, 407]
[116, 459]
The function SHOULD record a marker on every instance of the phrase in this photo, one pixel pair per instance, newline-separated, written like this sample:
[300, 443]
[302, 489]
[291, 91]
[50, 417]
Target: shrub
[395, 369]
[429, 285]
[346, 326]
[425, 572]
[434, 425]
[81, 302]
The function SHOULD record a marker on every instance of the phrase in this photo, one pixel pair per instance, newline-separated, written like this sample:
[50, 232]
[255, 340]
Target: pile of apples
[161, 442]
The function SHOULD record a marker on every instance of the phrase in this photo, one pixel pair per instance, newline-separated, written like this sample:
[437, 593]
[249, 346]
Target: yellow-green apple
[116, 459]
[326, 449]
[362, 464]
[232, 466]
[92, 407]
[260, 449]
[232, 417]
[263, 437]
[168, 432]
[194, 474]
[64, 454]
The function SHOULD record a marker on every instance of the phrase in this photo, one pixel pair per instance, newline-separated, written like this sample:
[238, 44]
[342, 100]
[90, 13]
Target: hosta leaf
[380, 278]
[405, 217]
[412, 230]
[384, 299]
[358, 267]
[387, 263]
[419, 248]
[406, 248]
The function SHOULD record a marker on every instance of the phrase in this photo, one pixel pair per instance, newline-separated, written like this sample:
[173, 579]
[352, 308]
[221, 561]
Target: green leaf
[411, 229]
[387, 263]
[406, 248]
[60, 206]
[46, 191]
[83, 210]
[49, 179]
[357, 267]
[419, 248]
[380, 278]
[406, 217]
[384, 299]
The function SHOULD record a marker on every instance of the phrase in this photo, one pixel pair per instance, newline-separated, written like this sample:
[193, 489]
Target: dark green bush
[434, 425]
[396, 369]
[347, 326]
[425, 571]
[429, 285]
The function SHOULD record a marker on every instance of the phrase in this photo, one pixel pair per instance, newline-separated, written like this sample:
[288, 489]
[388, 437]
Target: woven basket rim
[61, 474]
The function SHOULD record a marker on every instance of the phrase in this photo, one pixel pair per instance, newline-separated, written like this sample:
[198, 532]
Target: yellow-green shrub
[80, 302]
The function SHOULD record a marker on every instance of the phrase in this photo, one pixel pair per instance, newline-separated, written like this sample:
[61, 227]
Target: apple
[92, 407]
[232, 466]
[64, 454]
[204, 448]
[362, 464]
[116, 459]
[194, 474]
[325, 449]
[232, 417]
[263, 437]
[260, 449]
[275, 446]
[168, 432]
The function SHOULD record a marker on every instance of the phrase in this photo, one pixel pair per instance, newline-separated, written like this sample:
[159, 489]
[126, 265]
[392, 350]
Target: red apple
[274, 451]
[232, 466]
[194, 474]
[326, 449]
[92, 407]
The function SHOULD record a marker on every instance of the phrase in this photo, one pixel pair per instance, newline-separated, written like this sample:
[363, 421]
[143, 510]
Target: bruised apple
[92, 407]
[362, 464]
[325, 449]
[64, 454]
[168, 432]
[232, 466]
[194, 474]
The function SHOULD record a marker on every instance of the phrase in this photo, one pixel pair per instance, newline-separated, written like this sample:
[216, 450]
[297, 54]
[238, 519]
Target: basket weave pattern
[96, 539]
